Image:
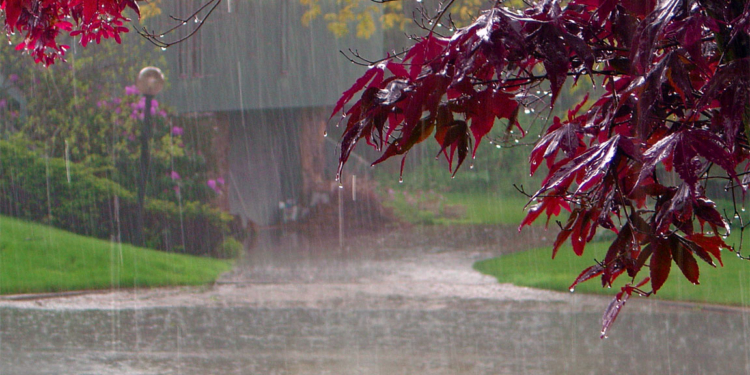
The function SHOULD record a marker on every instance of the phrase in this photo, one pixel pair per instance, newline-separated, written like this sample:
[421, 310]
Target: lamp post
[150, 82]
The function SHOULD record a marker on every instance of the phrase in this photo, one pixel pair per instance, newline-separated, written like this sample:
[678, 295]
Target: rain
[195, 224]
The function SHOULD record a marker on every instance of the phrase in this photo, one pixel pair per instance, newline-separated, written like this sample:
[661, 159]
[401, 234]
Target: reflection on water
[511, 340]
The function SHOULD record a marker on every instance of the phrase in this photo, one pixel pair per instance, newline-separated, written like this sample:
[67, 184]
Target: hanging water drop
[325, 133]
[196, 20]
[400, 180]
[573, 289]
[163, 48]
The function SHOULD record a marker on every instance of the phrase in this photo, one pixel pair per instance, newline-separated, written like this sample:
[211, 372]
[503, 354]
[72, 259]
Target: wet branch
[155, 38]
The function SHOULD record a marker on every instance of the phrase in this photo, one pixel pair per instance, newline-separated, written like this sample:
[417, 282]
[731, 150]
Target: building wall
[258, 55]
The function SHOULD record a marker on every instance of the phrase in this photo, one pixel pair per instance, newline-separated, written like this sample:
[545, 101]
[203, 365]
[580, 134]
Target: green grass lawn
[36, 258]
[486, 208]
[728, 285]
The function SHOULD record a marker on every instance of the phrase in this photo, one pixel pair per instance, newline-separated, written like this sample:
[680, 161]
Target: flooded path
[406, 302]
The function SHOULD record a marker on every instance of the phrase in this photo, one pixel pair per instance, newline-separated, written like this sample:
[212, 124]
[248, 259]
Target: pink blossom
[13, 78]
[175, 176]
[3, 103]
[220, 181]
[176, 130]
[131, 90]
[212, 184]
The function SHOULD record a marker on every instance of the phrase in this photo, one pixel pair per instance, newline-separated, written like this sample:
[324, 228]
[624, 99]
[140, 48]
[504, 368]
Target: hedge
[72, 197]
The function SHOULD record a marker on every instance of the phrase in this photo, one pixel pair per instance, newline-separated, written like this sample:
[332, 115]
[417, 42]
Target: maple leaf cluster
[675, 89]
[41, 22]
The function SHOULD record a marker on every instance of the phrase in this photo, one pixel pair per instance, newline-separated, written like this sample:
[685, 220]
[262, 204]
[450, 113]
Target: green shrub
[230, 249]
[71, 197]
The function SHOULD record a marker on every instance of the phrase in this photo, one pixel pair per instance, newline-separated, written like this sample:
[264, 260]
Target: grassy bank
[486, 208]
[728, 285]
[36, 258]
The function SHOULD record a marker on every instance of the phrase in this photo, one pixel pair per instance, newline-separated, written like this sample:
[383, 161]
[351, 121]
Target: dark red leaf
[373, 76]
[565, 137]
[710, 244]
[452, 138]
[613, 309]
[587, 274]
[643, 52]
[684, 259]
[565, 232]
[661, 259]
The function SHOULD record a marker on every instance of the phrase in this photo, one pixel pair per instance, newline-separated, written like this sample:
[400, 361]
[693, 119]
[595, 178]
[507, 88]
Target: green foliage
[51, 191]
[193, 228]
[36, 258]
[70, 196]
[366, 17]
[87, 111]
[83, 121]
[230, 249]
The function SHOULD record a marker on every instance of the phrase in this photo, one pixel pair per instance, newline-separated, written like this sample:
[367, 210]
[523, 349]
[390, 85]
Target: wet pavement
[405, 301]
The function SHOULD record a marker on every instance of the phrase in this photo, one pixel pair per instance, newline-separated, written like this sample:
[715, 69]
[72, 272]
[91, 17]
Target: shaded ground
[406, 301]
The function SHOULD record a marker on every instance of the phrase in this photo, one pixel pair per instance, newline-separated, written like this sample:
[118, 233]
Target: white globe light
[150, 81]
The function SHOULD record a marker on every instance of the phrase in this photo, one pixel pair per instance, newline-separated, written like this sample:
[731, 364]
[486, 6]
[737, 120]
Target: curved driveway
[399, 302]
